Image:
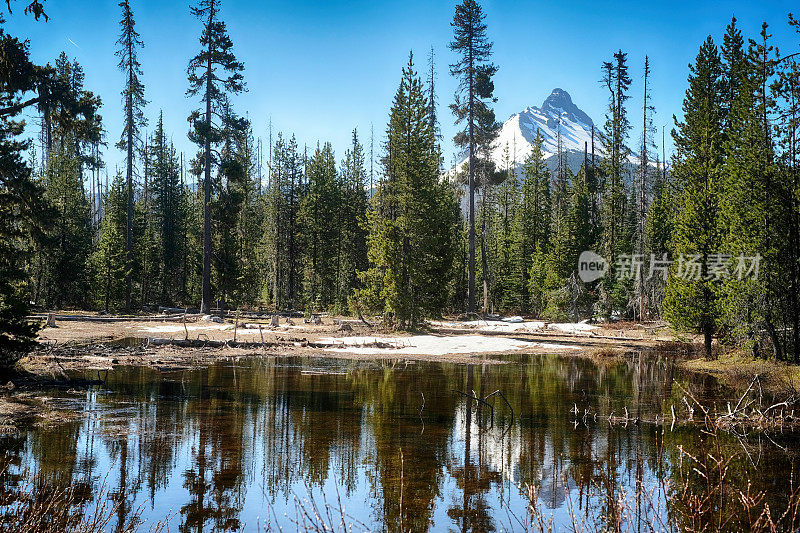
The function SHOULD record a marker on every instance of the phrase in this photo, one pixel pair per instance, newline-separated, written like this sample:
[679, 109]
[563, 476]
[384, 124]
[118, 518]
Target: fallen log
[208, 343]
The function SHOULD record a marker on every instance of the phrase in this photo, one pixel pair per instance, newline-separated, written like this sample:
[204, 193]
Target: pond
[266, 443]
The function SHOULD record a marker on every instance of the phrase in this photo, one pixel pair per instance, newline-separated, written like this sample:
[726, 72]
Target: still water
[259, 442]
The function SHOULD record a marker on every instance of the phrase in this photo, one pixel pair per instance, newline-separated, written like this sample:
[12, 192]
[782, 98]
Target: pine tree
[775, 203]
[21, 208]
[749, 215]
[563, 293]
[129, 43]
[507, 289]
[214, 73]
[474, 91]
[168, 214]
[643, 187]
[352, 250]
[533, 220]
[735, 68]
[487, 252]
[411, 235]
[432, 113]
[109, 260]
[74, 113]
[70, 237]
[62, 278]
[250, 222]
[617, 126]
[321, 229]
[227, 206]
[617, 81]
[691, 301]
[193, 209]
[787, 91]
[658, 229]
[146, 267]
[281, 232]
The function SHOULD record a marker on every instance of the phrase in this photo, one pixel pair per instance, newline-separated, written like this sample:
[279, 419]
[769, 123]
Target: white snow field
[506, 326]
[433, 345]
[573, 327]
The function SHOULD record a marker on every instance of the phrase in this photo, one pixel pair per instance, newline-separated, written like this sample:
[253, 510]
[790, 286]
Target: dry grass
[605, 355]
[680, 347]
[701, 498]
[36, 508]
[736, 369]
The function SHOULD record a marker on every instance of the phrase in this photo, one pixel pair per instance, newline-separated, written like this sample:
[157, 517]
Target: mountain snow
[557, 115]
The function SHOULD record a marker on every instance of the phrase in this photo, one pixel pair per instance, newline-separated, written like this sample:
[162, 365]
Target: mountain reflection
[397, 445]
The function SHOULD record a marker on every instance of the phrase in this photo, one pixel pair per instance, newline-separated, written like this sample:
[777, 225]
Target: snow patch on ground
[572, 327]
[514, 323]
[492, 325]
[432, 345]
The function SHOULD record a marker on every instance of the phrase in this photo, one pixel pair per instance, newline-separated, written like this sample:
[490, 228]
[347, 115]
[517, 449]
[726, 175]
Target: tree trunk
[471, 119]
[205, 305]
[129, 187]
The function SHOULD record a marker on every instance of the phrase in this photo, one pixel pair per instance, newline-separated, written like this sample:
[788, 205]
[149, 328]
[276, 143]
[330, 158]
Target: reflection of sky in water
[264, 432]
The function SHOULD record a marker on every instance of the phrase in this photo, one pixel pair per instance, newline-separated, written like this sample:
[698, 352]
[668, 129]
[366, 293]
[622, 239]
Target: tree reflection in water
[220, 447]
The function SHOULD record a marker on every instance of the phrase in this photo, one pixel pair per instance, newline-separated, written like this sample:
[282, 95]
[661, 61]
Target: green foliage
[538, 282]
[215, 74]
[249, 223]
[507, 290]
[352, 224]
[281, 238]
[320, 229]
[471, 107]
[21, 208]
[109, 259]
[72, 127]
[617, 126]
[65, 275]
[228, 197]
[168, 217]
[691, 302]
[307, 236]
[533, 219]
[411, 237]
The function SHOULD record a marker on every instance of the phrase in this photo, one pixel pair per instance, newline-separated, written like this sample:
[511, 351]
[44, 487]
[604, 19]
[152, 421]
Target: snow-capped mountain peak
[559, 104]
[558, 115]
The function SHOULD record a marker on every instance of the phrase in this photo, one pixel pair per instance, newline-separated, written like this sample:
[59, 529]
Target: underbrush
[736, 369]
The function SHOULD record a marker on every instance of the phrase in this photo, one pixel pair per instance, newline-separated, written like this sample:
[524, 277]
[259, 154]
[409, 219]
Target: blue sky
[320, 69]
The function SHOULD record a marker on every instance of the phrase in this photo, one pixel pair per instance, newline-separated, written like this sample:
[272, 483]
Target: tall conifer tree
[214, 73]
[475, 90]
[109, 260]
[691, 295]
[411, 245]
[129, 43]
